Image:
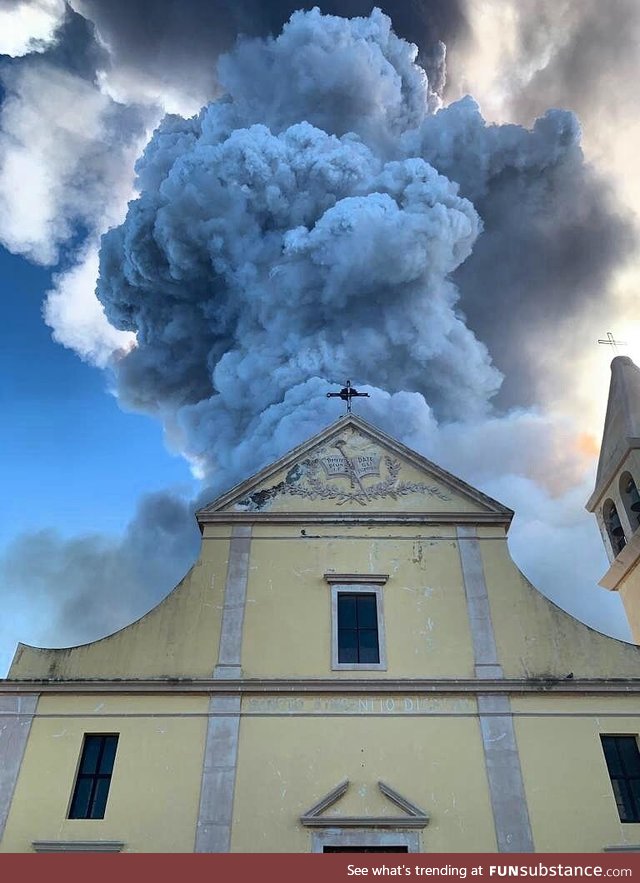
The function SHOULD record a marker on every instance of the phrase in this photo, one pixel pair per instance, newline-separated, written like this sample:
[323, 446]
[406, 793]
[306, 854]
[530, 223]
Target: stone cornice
[336, 686]
[354, 518]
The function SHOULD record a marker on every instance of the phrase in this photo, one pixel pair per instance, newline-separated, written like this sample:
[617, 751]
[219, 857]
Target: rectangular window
[357, 628]
[94, 777]
[623, 763]
[357, 623]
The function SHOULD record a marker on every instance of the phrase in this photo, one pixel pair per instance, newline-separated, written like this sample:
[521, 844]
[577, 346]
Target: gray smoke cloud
[299, 228]
[174, 46]
[553, 232]
[586, 54]
[551, 264]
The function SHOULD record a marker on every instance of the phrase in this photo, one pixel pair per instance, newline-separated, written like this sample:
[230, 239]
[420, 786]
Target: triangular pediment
[411, 816]
[353, 468]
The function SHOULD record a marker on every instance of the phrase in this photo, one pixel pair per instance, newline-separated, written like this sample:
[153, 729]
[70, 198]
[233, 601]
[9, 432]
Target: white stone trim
[352, 578]
[484, 644]
[357, 589]
[220, 761]
[504, 774]
[235, 596]
[16, 716]
[357, 518]
[78, 845]
[414, 816]
[367, 831]
[502, 760]
[217, 791]
[358, 837]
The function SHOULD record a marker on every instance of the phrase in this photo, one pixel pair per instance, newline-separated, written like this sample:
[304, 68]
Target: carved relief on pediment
[346, 470]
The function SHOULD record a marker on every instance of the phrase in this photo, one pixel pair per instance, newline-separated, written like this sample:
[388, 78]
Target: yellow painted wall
[178, 638]
[630, 593]
[537, 639]
[569, 794]
[287, 629]
[155, 789]
[288, 764]
[287, 626]
[289, 761]
[294, 749]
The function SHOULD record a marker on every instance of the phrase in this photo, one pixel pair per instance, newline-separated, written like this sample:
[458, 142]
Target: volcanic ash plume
[299, 231]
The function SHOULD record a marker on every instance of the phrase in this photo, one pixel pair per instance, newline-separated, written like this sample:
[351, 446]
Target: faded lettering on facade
[364, 705]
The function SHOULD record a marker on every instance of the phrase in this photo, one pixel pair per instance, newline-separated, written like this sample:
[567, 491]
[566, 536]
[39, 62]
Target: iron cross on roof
[347, 393]
[612, 342]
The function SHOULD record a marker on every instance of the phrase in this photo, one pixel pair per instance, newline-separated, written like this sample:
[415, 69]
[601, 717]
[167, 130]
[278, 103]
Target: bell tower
[615, 500]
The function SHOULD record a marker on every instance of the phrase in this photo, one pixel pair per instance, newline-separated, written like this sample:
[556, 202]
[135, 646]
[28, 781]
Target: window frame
[94, 776]
[634, 804]
[359, 588]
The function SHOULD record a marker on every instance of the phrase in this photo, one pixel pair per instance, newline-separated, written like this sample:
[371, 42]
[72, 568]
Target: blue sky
[72, 458]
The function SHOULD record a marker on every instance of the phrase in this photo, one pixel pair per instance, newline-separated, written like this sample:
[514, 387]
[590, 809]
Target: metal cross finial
[347, 393]
[611, 341]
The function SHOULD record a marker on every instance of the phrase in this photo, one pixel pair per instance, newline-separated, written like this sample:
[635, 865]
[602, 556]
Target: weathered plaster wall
[571, 802]
[289, 763]
[537, 639]
[153, 800]
[288, 611]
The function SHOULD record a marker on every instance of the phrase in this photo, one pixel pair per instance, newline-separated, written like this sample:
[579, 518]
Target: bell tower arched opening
[630, 499]
[614, 528]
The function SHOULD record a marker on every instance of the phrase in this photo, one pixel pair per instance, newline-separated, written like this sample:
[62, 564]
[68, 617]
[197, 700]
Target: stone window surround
[363, 837]
[357, 583]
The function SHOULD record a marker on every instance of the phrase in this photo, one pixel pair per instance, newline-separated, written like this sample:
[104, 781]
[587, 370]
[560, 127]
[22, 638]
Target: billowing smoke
[523, 58]
[163, 48]
[304, 228]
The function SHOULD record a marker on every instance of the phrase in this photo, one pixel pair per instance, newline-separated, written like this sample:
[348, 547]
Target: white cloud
[66, 159]
[76, 316]
[29, 26]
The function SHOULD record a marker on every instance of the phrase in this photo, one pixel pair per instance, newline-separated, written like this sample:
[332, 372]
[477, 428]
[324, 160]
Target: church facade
[354, 663]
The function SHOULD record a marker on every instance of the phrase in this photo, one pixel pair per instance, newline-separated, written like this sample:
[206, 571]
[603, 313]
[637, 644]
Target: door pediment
[412, 816]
